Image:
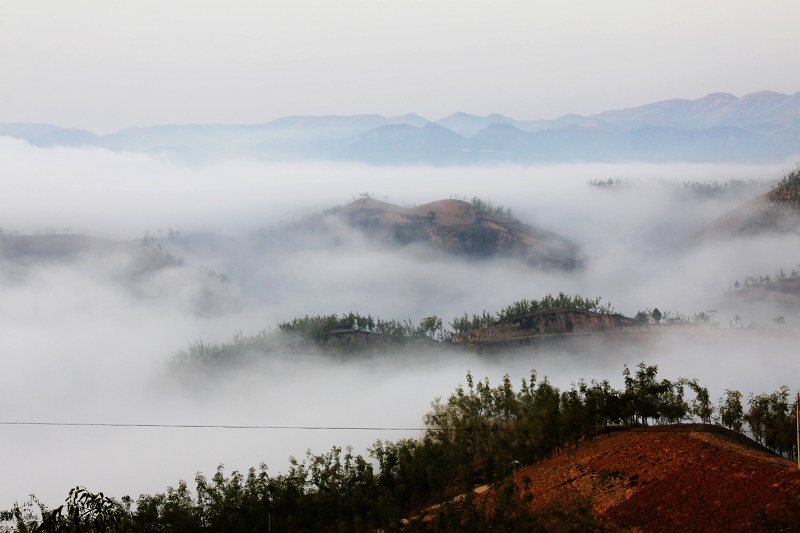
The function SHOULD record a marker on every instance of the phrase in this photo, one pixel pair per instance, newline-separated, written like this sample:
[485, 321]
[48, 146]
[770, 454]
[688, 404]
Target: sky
[109, 65]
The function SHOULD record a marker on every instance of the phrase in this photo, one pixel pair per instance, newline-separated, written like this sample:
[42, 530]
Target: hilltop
[461, 228]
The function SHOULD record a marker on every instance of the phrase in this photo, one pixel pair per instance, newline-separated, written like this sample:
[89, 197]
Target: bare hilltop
[464, 229]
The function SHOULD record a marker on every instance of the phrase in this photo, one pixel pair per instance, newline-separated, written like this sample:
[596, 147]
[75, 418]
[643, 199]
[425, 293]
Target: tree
[757, 414]
[701, 405]
[672, 406]
[656, 315]
[731, 412]
[642, 392]
[431, 326]
[82, 512]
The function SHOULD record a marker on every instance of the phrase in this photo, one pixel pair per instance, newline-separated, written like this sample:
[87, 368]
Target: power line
[658, 427]
[210, 426]
[234, 426]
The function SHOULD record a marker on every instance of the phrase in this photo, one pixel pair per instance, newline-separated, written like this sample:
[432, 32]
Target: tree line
[518, 309]
[319, 327]
[480, 435]
[708, 189]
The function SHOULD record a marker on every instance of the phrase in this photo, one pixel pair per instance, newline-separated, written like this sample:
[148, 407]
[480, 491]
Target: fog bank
[88, 338]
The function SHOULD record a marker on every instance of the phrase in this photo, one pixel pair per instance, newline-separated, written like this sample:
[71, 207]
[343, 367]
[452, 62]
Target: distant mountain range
[759, 127]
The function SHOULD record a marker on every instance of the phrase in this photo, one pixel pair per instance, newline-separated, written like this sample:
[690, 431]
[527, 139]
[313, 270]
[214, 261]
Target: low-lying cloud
[83, 339]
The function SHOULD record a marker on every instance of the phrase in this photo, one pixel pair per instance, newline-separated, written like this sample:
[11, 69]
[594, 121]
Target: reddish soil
[671, 479]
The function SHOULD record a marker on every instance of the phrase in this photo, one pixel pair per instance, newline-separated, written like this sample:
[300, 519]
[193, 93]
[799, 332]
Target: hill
[777, 211]
[784, 292]
[462, 228]
[668, 479]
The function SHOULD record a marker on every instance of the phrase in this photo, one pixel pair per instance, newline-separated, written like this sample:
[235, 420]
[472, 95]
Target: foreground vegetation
[480, 435]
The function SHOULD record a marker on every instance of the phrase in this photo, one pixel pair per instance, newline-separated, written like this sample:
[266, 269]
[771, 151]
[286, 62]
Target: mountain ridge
[758, 127]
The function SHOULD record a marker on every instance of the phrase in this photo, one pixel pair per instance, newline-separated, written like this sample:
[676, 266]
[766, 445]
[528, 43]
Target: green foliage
[316, 328]
[656, 315]
[788, 190]
[320, 326]
[701, 189]
[731, 412]
[642, 394]
[667, 317]
[562, 301]
[712, 189]
[82, 512]
[767, 279]
[152, 257]
[523, 307]
[772, 420]
[465, 324]
[487, 206]
[216, 354]
[480, 435]
[701, 405]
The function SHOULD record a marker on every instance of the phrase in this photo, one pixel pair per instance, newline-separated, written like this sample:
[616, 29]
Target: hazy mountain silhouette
[758, 127]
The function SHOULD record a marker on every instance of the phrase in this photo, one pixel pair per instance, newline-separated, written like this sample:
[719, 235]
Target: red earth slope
[668, 479]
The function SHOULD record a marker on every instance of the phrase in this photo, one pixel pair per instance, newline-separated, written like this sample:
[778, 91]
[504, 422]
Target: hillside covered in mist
[110, 263]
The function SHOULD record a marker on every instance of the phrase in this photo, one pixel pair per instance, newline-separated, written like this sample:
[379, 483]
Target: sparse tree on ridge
[731, 412]
[701, 405]
[656, 314]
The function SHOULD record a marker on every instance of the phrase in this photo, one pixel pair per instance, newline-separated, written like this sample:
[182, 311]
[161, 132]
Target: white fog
[80, 342]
